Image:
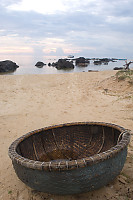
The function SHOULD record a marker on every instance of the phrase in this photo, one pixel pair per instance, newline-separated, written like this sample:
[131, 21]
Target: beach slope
[29, 102]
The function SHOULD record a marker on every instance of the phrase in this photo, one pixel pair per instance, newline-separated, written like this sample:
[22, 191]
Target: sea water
[27, 63]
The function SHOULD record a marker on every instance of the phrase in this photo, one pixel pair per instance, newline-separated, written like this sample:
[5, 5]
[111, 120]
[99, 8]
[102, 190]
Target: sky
[89, 28]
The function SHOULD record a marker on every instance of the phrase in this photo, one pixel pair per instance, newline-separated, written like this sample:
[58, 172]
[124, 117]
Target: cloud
[63, 26]
[12, 44]
[40, 6]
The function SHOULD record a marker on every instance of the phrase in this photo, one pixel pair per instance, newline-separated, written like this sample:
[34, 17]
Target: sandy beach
[29, 102]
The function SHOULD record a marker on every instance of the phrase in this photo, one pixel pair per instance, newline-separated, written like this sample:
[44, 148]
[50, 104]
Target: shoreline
[29, 102]
[31, 69]
[41, 71]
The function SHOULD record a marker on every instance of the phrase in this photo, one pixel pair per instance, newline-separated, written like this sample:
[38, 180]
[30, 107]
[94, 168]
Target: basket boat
[70, 158]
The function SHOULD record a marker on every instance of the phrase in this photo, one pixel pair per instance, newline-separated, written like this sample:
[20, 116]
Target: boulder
[7, 66]
[54, 64]
[39, 64]
[64, 64]
[49, 64]
[80, 60]
[82, 64]
[105, 59]
[97, 62]
[118, 68]
[92, 70]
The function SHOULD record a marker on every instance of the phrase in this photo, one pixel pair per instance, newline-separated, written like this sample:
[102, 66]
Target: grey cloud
[5, 3]
[38, 25]
[84, 28]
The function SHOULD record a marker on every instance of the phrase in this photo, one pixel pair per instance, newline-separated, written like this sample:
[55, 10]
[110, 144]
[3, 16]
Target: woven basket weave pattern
[70, 158]
[68, 146]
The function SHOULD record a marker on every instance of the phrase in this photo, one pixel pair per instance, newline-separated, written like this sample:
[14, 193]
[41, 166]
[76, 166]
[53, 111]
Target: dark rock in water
[97, 62]
[39, 64]
[49, 64]
[8, 66]
[80, 60]
[54, 64]
[118, 68]
[92, 70]
[105, 63]
[104, 59]
[82, 64]
[63, 64]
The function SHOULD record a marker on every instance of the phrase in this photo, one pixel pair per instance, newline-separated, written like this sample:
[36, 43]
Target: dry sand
[29, 102]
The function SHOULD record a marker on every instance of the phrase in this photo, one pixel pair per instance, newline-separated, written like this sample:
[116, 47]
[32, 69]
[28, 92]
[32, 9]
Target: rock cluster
[62, 64]
[81, 61]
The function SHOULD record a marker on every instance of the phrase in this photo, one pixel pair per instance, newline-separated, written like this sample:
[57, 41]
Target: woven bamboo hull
[73, 182]
[70, 158]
